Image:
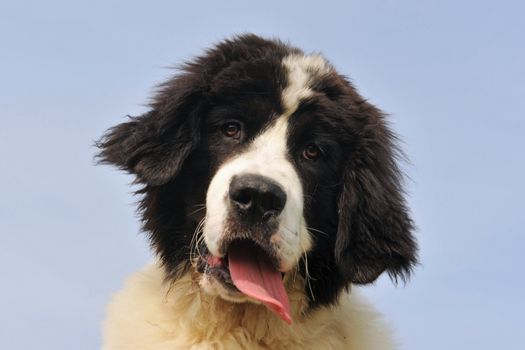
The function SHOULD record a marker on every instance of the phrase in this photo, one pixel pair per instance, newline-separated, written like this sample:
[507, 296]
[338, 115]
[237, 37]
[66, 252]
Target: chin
[269, 190]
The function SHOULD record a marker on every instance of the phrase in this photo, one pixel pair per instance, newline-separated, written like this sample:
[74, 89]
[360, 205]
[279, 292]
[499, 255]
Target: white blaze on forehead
[301, 70]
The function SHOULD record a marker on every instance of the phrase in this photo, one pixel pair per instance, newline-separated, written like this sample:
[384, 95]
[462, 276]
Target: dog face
[258, 151]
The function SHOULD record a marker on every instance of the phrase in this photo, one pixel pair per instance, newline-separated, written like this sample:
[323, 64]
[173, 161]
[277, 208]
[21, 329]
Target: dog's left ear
[154, 146]
[374, 231]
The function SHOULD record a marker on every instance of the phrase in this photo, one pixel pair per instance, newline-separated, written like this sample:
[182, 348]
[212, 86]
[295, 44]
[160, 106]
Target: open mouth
[218, 268]
[249, 269]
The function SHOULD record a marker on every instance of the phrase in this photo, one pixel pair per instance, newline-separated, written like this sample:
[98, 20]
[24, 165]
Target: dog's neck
[205, 315]
[154, 314]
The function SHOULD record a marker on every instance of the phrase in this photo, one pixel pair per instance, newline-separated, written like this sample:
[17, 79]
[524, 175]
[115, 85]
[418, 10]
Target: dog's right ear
[155, 145]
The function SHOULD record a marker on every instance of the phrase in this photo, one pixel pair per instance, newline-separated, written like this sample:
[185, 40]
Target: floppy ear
[154, 146]
[374, 231]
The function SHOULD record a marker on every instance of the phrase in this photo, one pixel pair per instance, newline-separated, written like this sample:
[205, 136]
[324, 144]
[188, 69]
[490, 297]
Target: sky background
[450, 73]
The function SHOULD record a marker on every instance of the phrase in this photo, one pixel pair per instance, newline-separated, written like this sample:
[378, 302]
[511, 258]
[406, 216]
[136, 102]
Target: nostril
[243, 197]
[269, 214]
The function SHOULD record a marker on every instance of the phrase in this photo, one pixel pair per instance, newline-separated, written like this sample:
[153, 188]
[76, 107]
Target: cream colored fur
[151, 314]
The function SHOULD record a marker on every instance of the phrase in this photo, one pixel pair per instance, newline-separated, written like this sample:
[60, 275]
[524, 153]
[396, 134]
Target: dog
[269, 187]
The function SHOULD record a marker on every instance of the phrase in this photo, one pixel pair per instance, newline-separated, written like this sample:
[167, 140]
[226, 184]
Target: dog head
[257, 154]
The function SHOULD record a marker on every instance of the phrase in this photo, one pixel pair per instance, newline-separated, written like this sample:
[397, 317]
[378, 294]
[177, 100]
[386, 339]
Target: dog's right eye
[232, 130]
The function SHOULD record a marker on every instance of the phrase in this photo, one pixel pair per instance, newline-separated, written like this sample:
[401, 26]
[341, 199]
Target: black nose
[256, 197]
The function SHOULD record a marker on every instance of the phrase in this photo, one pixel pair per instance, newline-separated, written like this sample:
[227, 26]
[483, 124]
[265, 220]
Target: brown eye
[231, 129]
[311, 152]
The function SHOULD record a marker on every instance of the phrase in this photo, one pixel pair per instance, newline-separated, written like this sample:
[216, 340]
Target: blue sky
[450, 73]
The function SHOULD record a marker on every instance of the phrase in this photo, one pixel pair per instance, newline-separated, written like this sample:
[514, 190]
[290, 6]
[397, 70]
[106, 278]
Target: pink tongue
[253, 274]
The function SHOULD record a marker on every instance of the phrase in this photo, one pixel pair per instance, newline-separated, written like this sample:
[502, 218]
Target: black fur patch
[354, 205]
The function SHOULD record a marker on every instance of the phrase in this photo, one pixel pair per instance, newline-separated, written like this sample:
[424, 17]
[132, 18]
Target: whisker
[196, 239]
[308, 276]
[304, 257]
[201, 207]
[316, 230]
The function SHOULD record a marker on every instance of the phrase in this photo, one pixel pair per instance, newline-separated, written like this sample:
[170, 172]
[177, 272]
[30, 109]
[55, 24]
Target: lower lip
[222, 275]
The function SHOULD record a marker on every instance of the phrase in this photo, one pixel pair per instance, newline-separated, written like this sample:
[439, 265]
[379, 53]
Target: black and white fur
[344, 220]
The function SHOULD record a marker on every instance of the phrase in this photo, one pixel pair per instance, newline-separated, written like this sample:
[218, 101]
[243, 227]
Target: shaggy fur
[151, 314]
[302, 127]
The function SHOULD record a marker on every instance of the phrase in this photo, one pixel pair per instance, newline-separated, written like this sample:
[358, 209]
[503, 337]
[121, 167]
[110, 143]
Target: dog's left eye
[311, 152]
[231, 129]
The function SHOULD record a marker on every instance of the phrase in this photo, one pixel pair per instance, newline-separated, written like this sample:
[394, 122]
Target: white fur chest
[149, 314]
